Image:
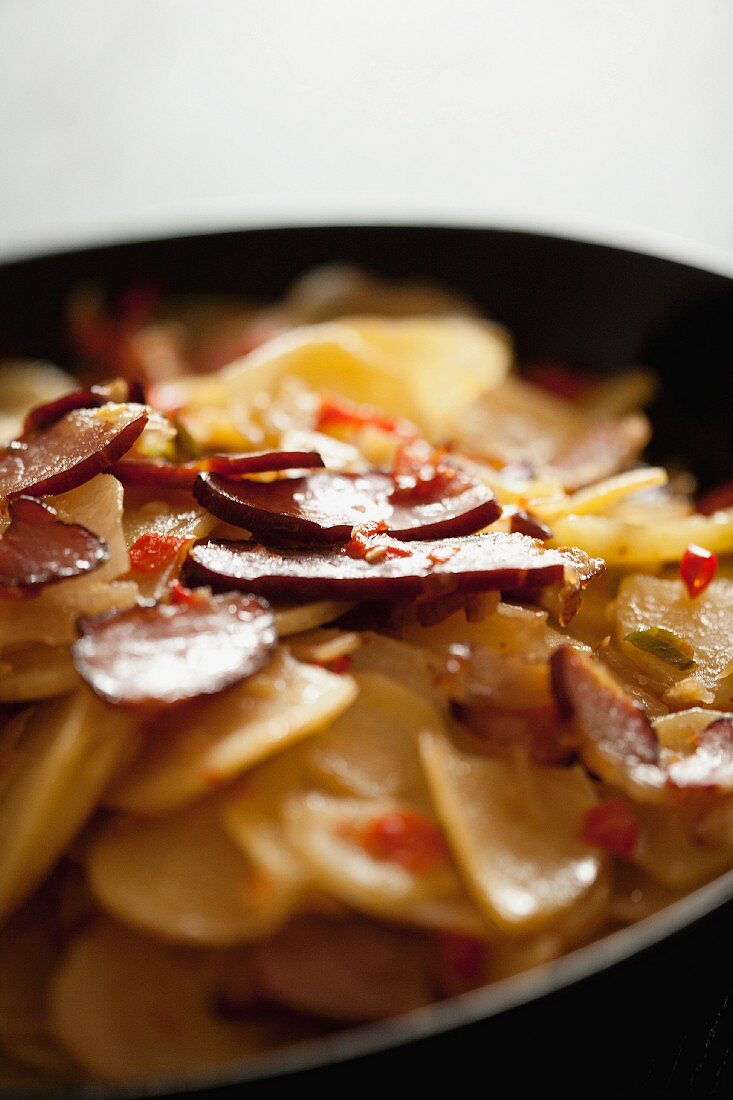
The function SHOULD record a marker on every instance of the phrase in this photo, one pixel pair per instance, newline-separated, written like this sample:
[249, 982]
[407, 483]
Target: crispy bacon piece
[182, 475]
[524, 523]
[344, 969]
[119, 390]
[616, 739]
[82, 443]
[603, 449]
[37, 548]
[493, 561]
[710, 766]
[157, 656]
[325, 507]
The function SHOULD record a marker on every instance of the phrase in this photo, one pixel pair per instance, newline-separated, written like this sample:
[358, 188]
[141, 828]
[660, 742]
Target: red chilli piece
[340, 413]
[79, 445]
[407, 838]
[371, 542]
[153, 551]
[524, 523]
[37, 548]
[612, 826]
[325, 507]
[158, 656]
[480, 563]
[697, 569]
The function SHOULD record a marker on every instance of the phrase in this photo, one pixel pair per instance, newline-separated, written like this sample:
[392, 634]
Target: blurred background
[596, 119]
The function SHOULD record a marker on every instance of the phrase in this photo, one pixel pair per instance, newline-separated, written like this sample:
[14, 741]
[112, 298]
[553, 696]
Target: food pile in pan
[343, 668]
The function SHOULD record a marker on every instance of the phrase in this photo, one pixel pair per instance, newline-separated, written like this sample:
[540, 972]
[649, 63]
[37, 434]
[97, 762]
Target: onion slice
[157, 656]
[38, 548]
[324, 507]
[494, 561]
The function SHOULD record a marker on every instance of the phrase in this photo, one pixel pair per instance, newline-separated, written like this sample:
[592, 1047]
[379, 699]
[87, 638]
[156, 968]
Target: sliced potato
[36, 671]
[127, 1007]
[601, 496]
[644, 544]
[179, 877]
[297, 618]
[514, 830]
[63, 760]
[705, 624]
[327, 833]
[636, 895]
[428, 369]
[671, 853]
[180, 521]
[200, 746]
[370, 750]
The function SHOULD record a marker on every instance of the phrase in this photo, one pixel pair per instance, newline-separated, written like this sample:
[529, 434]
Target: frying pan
[641, 994]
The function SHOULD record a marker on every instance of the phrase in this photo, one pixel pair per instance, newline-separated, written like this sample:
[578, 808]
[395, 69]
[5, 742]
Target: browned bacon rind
[477, 563]
[616, 739]
[119, 389]
[170, 475]
[82, 443]
[37, 548]
[325, 507]
[169, 653]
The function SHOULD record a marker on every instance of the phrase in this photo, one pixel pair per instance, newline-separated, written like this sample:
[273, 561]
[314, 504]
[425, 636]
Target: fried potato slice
[127, 1007]
[36, 671]
[202, 745]
[514, 830]
[60, 764]
[178, 877]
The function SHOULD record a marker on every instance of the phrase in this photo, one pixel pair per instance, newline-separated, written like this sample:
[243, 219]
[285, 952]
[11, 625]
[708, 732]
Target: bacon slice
[325, 507]
[82, 443]
[37, 548]
[119, 389]
[493, 561]
[157, 656]
[617, 740]
[182, 475]
[710, 766]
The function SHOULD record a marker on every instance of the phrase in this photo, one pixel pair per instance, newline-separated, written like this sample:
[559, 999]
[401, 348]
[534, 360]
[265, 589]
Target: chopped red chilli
[613, 827]
[697, 569]
[405, 837]
[152, 551]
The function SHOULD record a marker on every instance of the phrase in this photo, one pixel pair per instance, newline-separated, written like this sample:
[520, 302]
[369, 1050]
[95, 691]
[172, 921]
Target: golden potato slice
[408, 663]
[126, 1007]
[179, 877]
[182, 521]
[327, 832]
[36, 671]
[601, 496]
[428, 369]
[514, 830]
[370, 750]
[705, 624]
[296, 618]
[252, 815]
[671, 853]
[50, 616]
[636, 895]
[62, 762]
[200, 746]
[644, 544]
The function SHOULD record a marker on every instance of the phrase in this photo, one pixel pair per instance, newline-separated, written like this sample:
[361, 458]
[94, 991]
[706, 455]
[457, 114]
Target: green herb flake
[665, 645]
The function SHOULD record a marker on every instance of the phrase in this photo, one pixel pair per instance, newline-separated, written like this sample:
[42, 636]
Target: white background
[611, 118]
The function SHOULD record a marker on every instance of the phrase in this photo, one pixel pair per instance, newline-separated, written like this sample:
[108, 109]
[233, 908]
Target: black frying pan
[642, 995]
